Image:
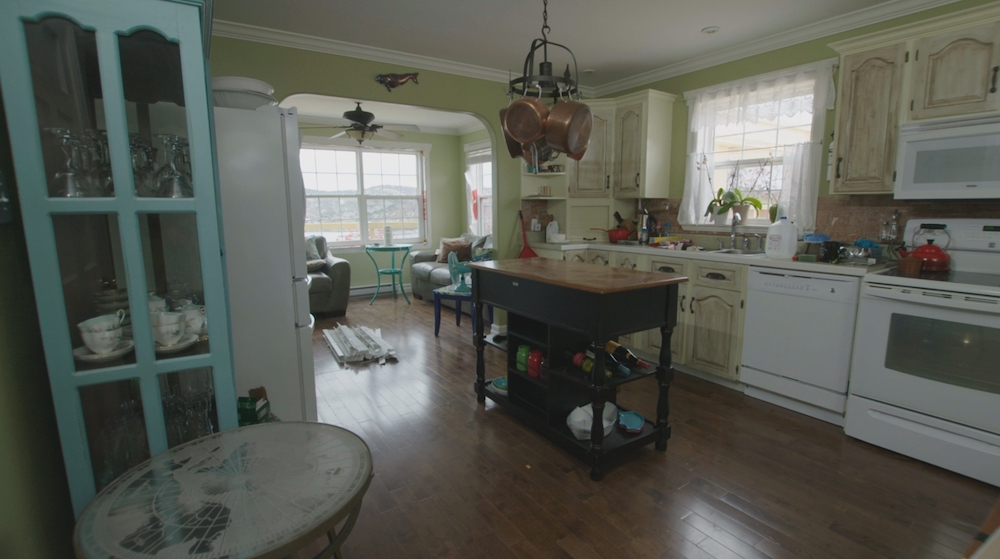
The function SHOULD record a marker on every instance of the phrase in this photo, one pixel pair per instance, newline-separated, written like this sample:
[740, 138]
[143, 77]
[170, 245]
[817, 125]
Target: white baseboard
[369, 290]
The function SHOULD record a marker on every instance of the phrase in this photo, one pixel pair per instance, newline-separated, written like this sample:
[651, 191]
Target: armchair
[329, 282]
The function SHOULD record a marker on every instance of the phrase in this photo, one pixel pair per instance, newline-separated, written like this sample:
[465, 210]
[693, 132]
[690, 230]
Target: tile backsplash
[849, 218]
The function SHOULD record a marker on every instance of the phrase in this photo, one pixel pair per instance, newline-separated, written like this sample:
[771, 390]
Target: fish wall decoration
[392, 81]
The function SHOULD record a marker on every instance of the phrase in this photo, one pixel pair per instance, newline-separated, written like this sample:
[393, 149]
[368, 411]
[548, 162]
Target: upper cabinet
[955, 73]
[590, 177]
[938, 68]
[108, 104]
[868, 120]
[642, 129]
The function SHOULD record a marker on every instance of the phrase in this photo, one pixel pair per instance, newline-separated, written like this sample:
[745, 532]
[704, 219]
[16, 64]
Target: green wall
[36, 518]
[803, 53]
[445, 195]
[293, 71]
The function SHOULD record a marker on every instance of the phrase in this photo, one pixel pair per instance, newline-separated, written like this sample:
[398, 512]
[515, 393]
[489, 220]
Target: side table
[392, 271]
[264, 491]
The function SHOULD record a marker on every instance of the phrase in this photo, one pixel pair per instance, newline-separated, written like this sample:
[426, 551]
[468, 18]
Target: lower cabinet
[677, 341]
[579, 255]
[714, 331]
[598, 257]
[631, 261]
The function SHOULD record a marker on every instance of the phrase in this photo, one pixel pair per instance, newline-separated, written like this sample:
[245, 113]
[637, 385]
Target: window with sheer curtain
[479, 187]
[763, 136]
[353, 193]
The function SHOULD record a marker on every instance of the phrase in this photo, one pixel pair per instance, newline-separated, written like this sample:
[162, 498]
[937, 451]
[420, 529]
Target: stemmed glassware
[188, 413]
[143, 165]
[69, 182]
[87, 171]
[173, 179]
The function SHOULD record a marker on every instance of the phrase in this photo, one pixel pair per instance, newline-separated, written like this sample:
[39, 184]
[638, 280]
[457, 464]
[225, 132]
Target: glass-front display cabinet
[109, 119]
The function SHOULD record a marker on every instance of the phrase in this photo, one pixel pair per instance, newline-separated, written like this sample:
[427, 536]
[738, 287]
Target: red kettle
[935, 259]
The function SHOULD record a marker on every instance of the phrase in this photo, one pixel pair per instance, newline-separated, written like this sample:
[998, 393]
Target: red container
[616, 234]
[534, 363]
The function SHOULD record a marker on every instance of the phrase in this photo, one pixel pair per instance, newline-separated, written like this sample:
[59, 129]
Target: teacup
[102, 342]
[194, 318]
[168, 334]
[102, 323]
[157, 303]
[161, 318]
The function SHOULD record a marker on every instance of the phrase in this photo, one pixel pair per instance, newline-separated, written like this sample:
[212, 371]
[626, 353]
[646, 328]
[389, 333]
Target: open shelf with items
[561, 308]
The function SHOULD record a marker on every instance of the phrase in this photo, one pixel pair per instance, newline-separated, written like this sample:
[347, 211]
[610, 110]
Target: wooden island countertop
[578, 275]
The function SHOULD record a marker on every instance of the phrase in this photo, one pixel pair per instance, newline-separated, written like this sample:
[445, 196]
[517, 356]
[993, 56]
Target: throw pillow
[461, 249]
[312, 253]
[442, 255]
[482, 255]
[315, 265]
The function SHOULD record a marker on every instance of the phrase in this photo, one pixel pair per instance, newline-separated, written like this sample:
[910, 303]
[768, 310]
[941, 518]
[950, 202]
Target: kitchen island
[560, 308]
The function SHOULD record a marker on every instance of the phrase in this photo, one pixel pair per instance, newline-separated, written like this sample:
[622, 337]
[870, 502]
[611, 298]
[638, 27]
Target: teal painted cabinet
[110, 125]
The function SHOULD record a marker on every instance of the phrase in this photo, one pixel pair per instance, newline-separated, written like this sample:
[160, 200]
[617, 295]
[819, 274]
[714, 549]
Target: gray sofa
[330, 286]
[426, 275]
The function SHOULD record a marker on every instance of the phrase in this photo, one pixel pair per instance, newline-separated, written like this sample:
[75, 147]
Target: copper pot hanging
[513, 146]
[567, 128]
[526, 119]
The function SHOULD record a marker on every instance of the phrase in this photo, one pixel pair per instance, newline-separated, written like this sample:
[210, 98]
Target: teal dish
[630, 421]
[500, 385]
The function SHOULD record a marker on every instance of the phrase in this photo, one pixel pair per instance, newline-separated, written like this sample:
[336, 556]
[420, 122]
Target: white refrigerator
[263, 217]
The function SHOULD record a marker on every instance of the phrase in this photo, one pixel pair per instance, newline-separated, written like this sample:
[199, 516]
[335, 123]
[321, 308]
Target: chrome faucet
[746, 241]
[732, 230]
[760, 241]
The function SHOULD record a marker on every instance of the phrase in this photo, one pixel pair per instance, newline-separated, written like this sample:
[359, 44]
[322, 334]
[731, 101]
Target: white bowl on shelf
[580, 420]
[242, 99]
[237, 83]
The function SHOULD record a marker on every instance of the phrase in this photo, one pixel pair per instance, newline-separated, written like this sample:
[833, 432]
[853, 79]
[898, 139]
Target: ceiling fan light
[360, 135]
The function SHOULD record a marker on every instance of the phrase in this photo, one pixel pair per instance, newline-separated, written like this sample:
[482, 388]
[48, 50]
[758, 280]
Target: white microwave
[954, 159]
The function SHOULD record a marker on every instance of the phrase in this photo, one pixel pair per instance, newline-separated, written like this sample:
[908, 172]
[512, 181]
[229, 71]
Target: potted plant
[731, 200]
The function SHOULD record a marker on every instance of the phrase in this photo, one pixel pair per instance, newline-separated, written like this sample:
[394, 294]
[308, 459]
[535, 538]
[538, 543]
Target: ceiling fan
[359, 125]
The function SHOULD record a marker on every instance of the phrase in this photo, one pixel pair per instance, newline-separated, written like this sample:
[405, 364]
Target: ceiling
[625, 44]
[321, 109]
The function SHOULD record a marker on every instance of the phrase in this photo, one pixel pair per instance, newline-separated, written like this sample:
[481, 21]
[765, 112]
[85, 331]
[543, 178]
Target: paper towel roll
[387, 235]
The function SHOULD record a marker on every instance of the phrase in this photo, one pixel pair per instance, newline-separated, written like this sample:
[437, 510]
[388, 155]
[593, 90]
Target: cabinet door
[630, 261]
[575, 255]
[868, 120]
[714, 331]
[956, 73]
[108, 101]
[590, 177]
[653, 337]
[599, 257]
[628, 149]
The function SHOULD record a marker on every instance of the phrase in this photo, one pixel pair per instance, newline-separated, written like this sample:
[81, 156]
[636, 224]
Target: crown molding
[916, 30]
[817, 30]
[232, 30]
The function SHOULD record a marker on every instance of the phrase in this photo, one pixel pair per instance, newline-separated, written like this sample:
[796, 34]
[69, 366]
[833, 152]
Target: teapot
[935, 259]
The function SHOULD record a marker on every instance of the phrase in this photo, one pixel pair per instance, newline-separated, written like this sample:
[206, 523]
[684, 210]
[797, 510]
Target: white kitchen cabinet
[955, 73]
[716, 298]
[642, 129]
[677, 340]
[590, 177]
[598, 257]
[579, 255]
[868, 120]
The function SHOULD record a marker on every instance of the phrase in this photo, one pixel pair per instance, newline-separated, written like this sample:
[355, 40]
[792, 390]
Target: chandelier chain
[545, 19]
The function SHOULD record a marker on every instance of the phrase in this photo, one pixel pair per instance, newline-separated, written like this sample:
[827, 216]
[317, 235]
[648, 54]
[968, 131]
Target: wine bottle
[581, 360]
[623, 355]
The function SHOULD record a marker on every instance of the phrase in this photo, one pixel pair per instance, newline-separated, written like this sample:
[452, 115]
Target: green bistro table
[392, 271]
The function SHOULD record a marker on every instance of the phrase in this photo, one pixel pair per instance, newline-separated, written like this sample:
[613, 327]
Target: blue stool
[448, 292]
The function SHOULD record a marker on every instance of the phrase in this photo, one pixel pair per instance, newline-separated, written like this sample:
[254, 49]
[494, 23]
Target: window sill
[751, 228]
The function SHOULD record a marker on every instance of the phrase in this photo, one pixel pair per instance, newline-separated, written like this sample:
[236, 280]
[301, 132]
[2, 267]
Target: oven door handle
[930, 297]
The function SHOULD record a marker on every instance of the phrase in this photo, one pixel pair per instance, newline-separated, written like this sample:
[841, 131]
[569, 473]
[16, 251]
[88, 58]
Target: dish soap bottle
[782, 240]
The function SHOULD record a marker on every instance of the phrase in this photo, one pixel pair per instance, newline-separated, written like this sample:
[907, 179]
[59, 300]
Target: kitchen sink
[738, 251]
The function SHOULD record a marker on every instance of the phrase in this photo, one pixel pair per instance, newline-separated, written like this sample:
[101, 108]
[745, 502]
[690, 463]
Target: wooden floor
[740, 478]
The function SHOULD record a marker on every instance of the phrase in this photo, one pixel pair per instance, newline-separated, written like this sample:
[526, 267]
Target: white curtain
[475, 154]
[800, 185]
[804, 89]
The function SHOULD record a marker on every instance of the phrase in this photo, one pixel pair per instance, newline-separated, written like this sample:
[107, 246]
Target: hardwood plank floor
[741, 478]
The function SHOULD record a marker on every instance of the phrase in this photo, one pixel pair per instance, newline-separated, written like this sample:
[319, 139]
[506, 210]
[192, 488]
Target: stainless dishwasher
[797, 340]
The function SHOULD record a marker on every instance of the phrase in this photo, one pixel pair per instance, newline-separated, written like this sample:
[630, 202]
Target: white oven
[925, 374]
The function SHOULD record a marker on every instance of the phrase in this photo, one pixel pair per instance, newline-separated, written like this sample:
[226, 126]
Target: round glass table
[263, 491]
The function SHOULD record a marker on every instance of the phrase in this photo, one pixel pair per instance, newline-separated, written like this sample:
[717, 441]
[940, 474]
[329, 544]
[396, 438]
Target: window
[353, 193]
[479, 187]
[763, 137]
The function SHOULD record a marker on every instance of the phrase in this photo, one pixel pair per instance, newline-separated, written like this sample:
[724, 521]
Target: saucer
[630, 421]
[184, 343]
[86, 356]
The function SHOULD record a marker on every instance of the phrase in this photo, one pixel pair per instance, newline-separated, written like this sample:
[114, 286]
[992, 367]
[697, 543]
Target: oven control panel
[956, 234]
